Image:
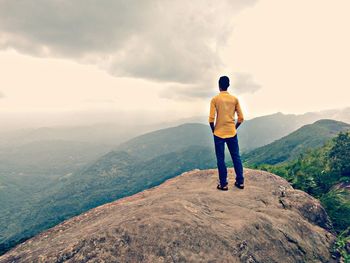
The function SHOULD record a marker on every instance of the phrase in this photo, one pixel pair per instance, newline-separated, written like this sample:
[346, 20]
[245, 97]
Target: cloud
[165, 41]
[244, 83]
[240, 83]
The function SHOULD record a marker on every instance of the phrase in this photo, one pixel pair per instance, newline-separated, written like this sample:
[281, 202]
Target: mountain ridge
[307, 137]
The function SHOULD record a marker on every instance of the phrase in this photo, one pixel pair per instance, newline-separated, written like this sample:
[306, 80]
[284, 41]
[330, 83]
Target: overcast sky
[165, 57]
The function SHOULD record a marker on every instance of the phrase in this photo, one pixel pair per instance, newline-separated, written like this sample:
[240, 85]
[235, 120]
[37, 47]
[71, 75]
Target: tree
[339, 154]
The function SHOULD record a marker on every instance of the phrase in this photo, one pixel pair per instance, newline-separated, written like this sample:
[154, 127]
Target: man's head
[224, 82]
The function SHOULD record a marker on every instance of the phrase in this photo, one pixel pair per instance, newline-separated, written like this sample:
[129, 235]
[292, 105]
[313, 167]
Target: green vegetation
[289, 147]
[325, 174]
[342, 245]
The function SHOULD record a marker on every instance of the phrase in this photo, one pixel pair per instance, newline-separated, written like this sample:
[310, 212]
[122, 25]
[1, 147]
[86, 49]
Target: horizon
[73, 120]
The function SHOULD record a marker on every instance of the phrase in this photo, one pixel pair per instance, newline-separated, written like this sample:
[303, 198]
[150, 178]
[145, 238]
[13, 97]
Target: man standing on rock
[225, 130]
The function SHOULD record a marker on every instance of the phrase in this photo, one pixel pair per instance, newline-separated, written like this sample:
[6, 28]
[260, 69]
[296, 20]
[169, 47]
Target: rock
[186, 219]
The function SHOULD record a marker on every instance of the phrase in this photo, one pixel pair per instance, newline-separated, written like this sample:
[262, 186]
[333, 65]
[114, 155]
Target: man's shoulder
[214, 97]
[234, 97]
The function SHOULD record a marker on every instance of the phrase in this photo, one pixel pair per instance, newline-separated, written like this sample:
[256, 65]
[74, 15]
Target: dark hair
[224, 82]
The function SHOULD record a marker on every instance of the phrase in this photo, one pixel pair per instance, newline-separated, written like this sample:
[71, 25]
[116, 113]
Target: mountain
[340, 114]
[268, 127]
[99, 133]
[114, 175]
[153, 144]
[188, 219]
[260, 131]
[252, 134]
[307, 137]
[263, 130]
[61, 150]
[50, 158]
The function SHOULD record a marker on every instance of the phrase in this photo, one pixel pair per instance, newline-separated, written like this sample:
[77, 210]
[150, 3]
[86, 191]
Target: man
[225, 130]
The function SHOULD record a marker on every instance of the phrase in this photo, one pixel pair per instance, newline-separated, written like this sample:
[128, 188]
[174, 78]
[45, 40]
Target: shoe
[240, 186]
[224, 188]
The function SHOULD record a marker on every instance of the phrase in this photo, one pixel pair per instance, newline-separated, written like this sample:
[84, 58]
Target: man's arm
[212, 114]
[239, 114]
[212, 126]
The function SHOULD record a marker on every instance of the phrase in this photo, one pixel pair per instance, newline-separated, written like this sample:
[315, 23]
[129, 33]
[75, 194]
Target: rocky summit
[186, 219]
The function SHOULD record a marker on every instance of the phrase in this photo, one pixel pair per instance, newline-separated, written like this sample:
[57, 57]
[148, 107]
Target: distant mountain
[307, 137]
[259, 131]
[62, 150]
[100, 133]
[186, 219]
[152, 144]
[342, 114]
[51, 158]
[252, 134]
[263, 130]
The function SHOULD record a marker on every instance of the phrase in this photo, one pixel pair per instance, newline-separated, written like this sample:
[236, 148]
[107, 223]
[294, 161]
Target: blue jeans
[232, 144]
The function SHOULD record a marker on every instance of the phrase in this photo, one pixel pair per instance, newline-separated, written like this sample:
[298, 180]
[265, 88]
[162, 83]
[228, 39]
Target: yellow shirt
[225, 105]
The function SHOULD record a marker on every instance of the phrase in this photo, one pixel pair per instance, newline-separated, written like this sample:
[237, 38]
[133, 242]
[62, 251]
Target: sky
[160, 60]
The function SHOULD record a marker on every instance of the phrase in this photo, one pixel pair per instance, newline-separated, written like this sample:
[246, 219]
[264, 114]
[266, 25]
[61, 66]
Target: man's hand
[212, 126]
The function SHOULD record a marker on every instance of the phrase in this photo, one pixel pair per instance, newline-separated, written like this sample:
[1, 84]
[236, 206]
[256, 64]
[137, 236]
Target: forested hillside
[325, 174]
[289, 147]
[116, 174]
